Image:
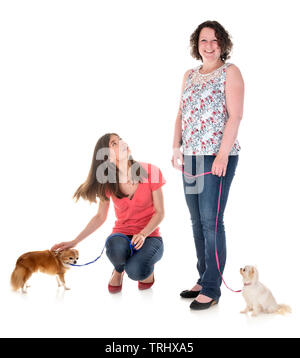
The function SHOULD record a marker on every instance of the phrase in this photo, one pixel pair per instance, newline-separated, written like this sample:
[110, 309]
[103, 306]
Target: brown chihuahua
[50, 262]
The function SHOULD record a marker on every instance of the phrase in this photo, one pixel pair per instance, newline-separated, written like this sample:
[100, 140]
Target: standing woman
[210, 111]
[135, 244]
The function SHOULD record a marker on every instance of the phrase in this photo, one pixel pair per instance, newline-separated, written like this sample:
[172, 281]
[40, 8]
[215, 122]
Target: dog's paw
[66, 288]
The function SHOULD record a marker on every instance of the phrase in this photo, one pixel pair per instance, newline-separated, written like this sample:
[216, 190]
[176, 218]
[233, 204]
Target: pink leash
[216, 253]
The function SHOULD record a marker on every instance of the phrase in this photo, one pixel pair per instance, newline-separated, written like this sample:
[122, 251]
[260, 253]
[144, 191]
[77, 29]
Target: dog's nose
[74, 262]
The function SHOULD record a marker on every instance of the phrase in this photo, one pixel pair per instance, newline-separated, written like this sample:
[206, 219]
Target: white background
[72, 71]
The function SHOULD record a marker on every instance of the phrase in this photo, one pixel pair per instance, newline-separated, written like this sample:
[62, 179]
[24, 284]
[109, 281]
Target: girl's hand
[138, 240]
[63, 245]
[219, 165]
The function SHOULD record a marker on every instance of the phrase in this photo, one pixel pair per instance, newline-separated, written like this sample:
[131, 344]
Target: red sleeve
[156, 178]
[107, 193]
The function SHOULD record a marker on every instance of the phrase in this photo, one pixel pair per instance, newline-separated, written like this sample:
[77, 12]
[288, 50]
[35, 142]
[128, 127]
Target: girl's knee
[116, 248]
[138, 272]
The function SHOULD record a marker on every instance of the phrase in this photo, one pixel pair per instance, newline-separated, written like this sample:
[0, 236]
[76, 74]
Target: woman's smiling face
[208, 45]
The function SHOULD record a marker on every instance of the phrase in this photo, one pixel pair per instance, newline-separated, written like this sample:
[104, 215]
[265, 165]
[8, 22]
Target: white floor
[89, 310]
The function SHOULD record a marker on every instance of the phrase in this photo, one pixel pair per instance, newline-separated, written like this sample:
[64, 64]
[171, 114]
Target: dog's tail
[18, 277]
[282, 309]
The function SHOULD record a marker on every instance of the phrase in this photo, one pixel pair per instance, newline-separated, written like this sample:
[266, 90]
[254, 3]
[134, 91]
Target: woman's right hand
[64, 245]
[177, 155]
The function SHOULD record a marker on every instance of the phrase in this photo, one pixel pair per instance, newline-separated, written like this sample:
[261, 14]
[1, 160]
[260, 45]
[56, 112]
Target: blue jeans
[201, 196]
[140, 265]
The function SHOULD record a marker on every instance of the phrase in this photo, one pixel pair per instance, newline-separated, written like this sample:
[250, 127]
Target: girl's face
[118, 149]
[208, 45]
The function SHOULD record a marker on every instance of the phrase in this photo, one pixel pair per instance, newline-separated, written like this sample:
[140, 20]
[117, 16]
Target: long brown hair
[92, 187]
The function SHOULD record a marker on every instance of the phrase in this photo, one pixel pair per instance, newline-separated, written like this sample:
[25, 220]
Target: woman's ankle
[203, 299]
[197, 287]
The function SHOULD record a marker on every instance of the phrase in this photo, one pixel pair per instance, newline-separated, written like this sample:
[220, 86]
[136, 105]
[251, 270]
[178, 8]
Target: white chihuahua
[258, 297]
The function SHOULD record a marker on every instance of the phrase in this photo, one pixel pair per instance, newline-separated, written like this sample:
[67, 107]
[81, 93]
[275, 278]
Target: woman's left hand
[219, 165]
[138, 240]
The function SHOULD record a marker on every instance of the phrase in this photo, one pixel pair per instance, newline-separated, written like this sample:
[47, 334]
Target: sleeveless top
[204, 113]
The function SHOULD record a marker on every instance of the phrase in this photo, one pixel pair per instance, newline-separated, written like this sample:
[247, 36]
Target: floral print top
[204, 113]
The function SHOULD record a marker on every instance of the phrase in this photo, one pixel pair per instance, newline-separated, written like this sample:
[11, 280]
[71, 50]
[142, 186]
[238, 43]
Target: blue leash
[115, 234]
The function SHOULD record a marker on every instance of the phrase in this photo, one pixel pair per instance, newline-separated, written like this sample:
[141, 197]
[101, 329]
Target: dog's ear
[256, 271]
[55, 252]
[252, 272]
[76, 252]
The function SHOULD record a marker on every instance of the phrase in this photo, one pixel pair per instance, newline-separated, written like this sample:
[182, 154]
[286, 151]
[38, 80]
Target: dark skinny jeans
[201, 196]
[140, 265]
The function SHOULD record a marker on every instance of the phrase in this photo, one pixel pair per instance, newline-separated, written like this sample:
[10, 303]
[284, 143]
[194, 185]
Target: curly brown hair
[222, 36]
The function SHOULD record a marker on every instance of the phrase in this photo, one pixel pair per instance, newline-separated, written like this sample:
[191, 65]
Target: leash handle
[112, 235]
[216, 252]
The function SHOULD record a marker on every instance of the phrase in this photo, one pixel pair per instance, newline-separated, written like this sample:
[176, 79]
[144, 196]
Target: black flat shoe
[195, 305]
[189, 294]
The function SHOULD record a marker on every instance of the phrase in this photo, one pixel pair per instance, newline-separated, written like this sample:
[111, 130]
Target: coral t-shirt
[133, 215]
